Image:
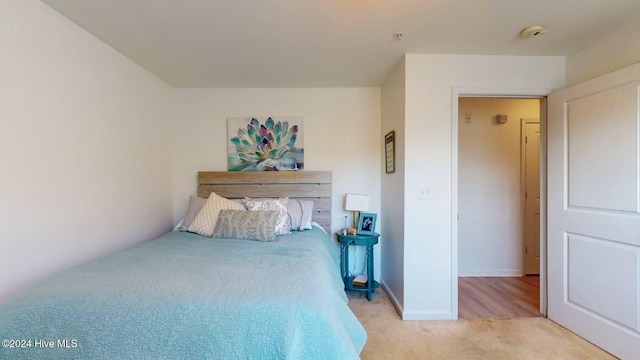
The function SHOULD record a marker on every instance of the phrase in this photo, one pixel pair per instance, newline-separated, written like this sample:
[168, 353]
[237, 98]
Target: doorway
[530, 194]
[498, 206]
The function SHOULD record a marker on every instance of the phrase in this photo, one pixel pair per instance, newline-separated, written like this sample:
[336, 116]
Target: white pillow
[300, 212]
[205, 222]
[282, 225]
[195, 204]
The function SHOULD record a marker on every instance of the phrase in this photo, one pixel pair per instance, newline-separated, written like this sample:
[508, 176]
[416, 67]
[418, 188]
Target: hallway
[498, 297]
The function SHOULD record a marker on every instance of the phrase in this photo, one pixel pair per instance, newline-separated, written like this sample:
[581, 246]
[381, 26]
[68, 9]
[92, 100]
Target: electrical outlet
[424, 192]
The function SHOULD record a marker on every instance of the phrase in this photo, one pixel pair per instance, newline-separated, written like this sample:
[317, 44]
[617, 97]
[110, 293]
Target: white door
[531, 185]
[593, 213]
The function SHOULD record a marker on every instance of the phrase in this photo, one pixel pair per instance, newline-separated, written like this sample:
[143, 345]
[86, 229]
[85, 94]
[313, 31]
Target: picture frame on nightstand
[367, 223]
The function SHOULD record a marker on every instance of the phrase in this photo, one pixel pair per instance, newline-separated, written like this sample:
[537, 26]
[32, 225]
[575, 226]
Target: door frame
[523, 173]
[531, 93]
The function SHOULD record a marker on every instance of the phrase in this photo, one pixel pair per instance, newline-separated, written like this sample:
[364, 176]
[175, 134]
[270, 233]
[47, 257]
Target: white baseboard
[412, 315]
[416, 315]
[489, 273]
[392, 296]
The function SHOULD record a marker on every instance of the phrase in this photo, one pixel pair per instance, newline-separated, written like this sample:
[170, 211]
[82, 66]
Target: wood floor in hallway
[498, 297]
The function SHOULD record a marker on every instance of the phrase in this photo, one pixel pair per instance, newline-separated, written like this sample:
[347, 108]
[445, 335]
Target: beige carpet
[495, 339]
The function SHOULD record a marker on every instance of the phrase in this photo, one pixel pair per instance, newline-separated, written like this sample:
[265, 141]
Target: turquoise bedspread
[184, 296]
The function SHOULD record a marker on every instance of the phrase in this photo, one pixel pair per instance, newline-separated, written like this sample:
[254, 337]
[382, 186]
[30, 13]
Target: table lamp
[356, 203]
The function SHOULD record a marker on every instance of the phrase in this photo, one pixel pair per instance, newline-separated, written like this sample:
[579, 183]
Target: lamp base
[356, 216]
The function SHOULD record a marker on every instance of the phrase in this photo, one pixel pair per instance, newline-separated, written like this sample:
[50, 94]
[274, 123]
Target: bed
[188, 296]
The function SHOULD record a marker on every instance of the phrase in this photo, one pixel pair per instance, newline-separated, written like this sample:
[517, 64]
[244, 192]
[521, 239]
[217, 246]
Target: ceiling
[329, 43]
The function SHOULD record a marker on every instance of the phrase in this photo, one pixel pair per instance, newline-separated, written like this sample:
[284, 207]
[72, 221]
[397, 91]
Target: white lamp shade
[356, 202]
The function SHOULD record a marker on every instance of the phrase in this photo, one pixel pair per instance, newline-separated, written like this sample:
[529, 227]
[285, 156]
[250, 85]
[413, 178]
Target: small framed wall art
[390, 151]
[367, 224]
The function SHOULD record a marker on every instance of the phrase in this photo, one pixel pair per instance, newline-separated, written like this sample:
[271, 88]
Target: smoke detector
[532, 31]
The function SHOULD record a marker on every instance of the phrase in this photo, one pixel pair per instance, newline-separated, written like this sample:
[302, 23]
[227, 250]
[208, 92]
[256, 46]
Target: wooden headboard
[303, 185]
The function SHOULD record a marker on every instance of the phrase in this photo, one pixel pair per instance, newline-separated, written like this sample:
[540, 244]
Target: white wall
[341, 134]
[605, 54]
[489, 196]
[432, 85]
[84, 147]
[392, 185]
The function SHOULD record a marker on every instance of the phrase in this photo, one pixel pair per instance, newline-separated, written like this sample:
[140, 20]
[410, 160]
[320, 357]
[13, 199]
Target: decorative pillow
[206, 219]
[250, 225]
[195, 204]
[299, 213]
[282, 225]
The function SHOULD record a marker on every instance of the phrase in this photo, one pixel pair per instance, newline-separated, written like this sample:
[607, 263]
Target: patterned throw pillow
[205, 222]
[283, 227]
[249, 225]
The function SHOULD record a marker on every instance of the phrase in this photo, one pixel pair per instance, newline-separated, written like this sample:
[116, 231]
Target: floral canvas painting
[265, 144]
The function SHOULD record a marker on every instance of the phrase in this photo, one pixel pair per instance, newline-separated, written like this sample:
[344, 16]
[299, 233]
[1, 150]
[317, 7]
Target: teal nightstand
[358, 240]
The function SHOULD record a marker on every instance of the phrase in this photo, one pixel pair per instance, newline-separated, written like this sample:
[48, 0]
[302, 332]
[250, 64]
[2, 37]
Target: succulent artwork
[268, 146]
